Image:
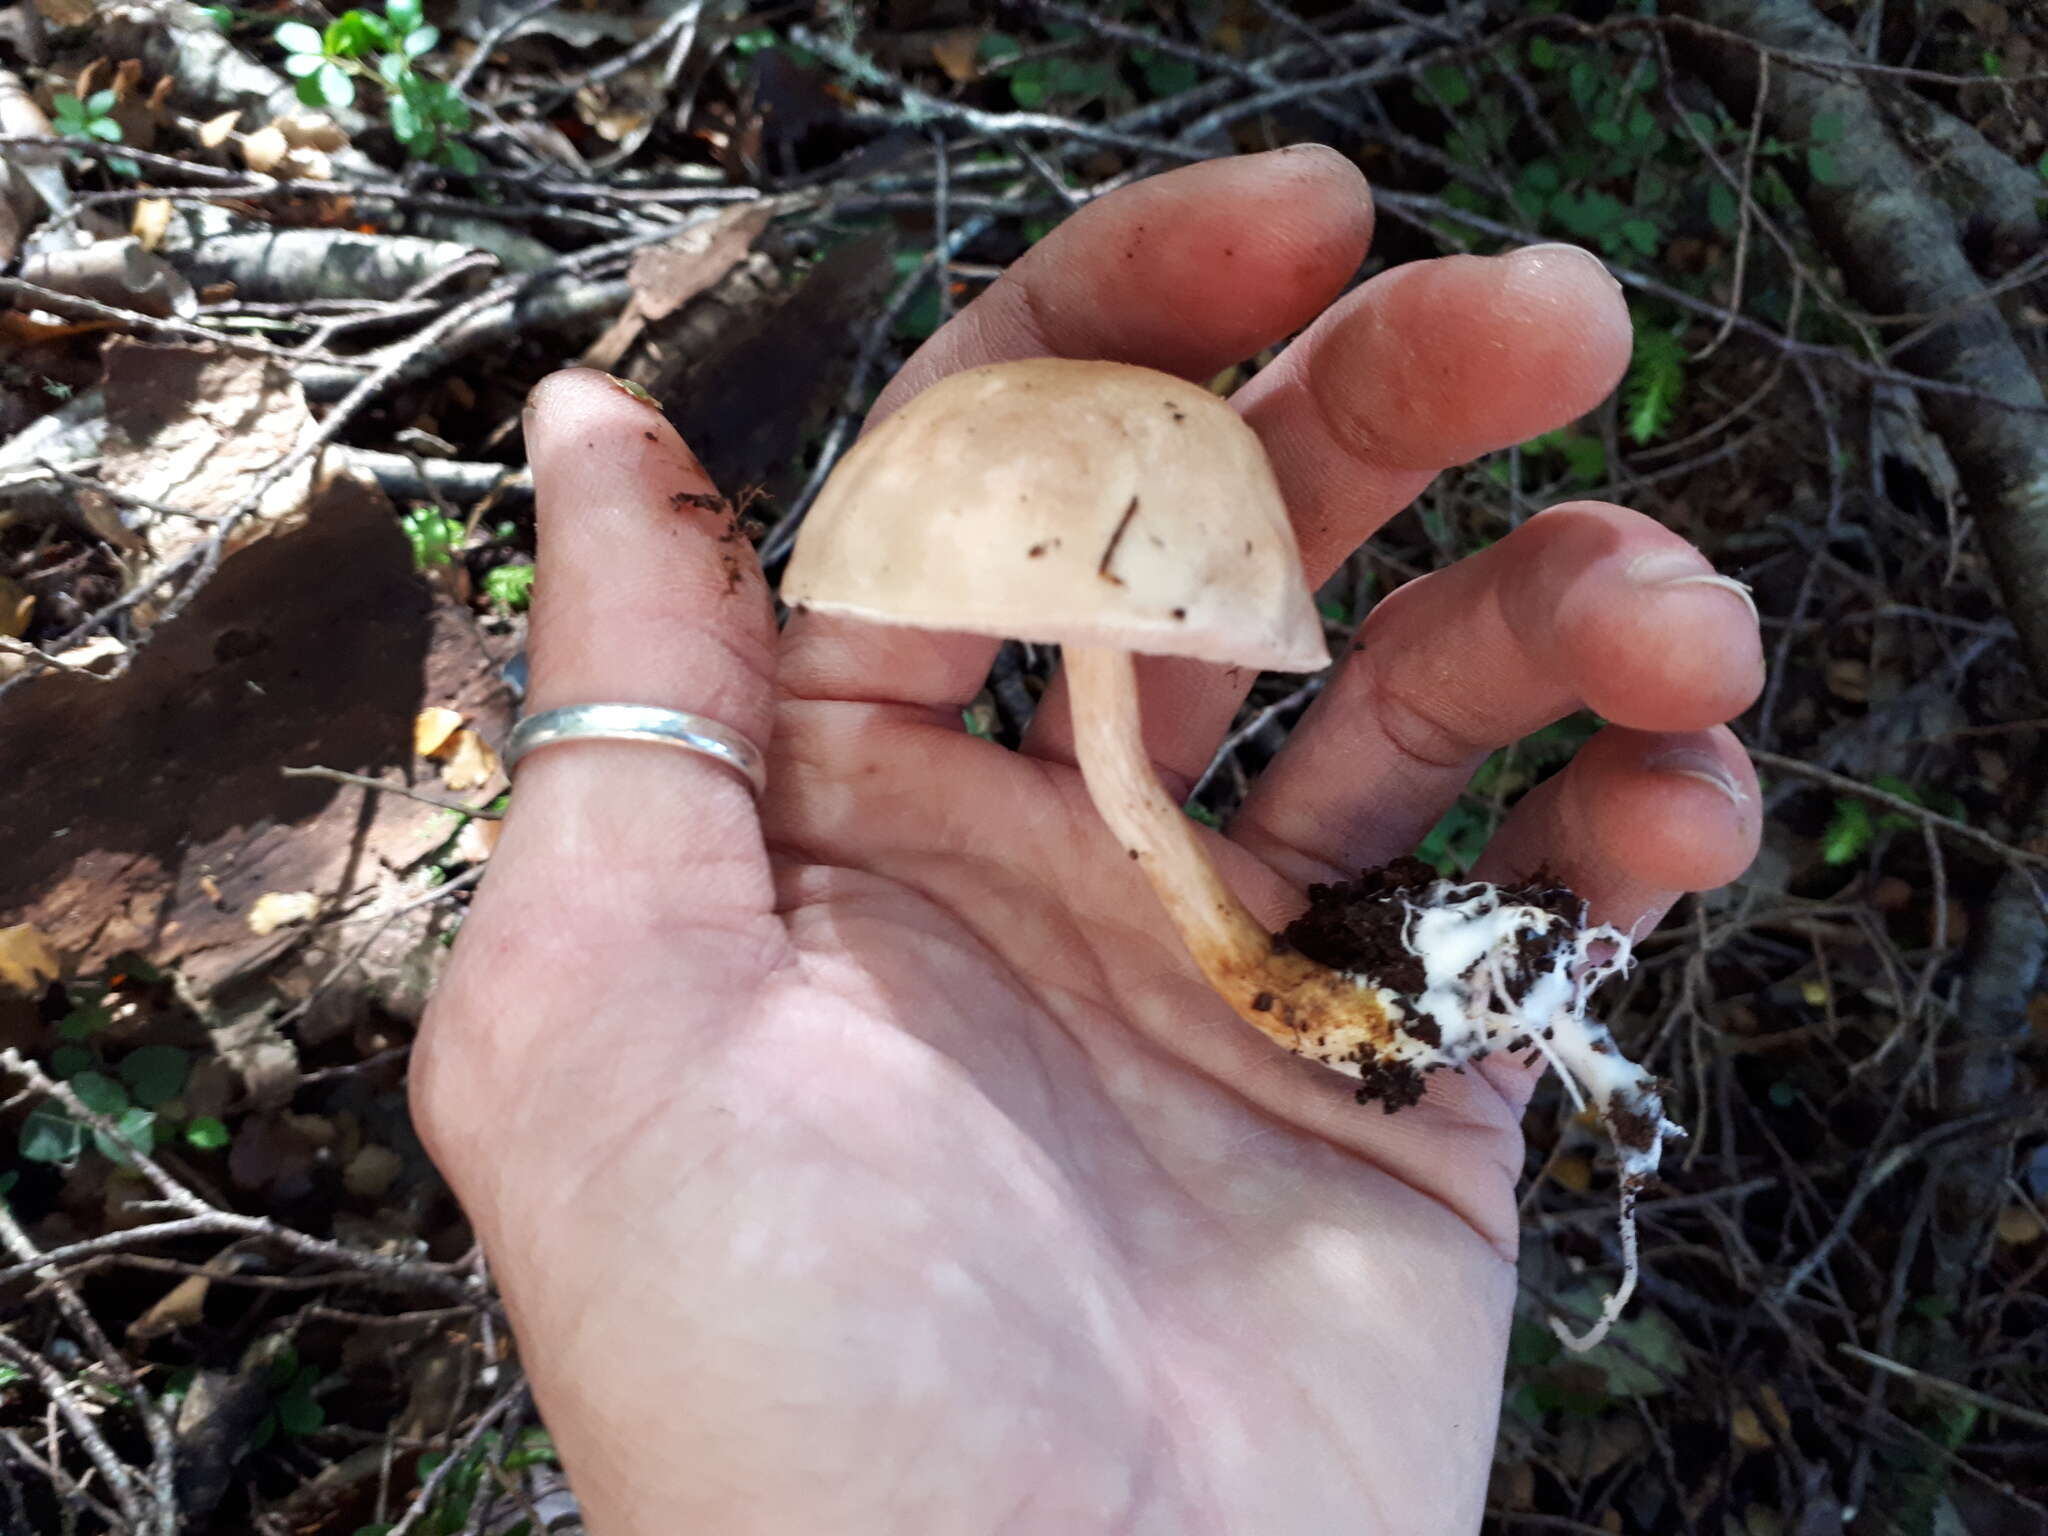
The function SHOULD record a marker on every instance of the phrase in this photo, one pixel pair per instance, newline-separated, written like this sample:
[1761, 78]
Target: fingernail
[1559, 247]
[637, 391]
[1669, 568]
[1692, 763]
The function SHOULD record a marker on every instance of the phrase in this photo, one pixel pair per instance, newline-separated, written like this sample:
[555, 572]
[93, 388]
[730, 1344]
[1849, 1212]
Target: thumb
[646, 592]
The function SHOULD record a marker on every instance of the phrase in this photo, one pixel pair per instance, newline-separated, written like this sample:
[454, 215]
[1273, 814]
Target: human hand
[874, 1159]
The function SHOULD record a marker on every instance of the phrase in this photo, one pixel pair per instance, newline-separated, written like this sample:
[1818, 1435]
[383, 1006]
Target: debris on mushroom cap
[1466, 968]
[1054, 500]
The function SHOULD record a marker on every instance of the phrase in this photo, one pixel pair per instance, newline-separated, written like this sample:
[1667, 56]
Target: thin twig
[1948, 826]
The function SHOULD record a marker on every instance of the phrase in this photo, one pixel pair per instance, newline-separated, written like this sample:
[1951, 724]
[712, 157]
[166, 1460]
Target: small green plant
[1656, 379]
[294, 1410]
[360, 45]
[1854, 826]
[509, 586]
[87, 119]
[434, 536]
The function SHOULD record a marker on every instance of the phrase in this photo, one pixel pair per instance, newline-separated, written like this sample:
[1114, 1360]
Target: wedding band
[638, 722]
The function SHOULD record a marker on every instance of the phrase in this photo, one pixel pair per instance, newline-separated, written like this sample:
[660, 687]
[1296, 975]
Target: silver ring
[638, 722]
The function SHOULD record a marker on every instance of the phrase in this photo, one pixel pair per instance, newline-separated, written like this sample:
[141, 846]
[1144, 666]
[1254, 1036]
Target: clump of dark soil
[1360, 927]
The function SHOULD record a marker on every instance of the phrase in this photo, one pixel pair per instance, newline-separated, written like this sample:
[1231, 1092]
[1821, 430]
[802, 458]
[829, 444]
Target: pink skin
[875, 1161]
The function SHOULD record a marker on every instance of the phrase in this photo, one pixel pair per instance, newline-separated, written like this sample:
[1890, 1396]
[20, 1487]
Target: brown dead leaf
[215, 130]
[371, 1171]
[958, 53]
[191, 427]
[179, 1307]
[311, 130]
[1574, 1173]
[66, 13]
[278, 909]
[667, 276]
[151, 221]
[433, 728]
[477, 840]
[1747, 1429]
[2018, 1225]
[16, 608]
[288, 149]
[27, 962]
[468, 763]
[127, 75]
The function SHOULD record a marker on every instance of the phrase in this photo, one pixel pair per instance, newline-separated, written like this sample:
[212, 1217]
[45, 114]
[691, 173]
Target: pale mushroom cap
[1082, 503]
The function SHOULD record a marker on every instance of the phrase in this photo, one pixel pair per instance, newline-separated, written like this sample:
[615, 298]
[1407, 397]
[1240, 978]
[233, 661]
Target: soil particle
[1633, 1132]
[1394, 1084]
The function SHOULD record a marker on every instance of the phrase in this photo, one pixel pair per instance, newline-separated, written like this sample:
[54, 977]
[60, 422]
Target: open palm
[875, 1160]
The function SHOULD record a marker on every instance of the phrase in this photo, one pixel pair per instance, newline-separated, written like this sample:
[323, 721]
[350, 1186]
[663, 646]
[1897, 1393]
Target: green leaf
[220, 15]
[1543, 53]
[745, 44]
[297, 37]
[1782, 1093]
[1203, 814]
[1655, 380]
[1850, 831]
[460, 157]
[49, 1135]
[336, 88]
[10, 1374]
[156, 1073]
[299, 1413]
[405, 118]
[1823, 167]
[1448, 83]
[109, 130]
[1166, 75]
[510, 586]
[300, 65]
[1642, 1355]
[207, 1134]
[420, 40]
[69, 1060]
[100, 103]
[1827, 128]
[404, 15]
[137, 1126]
[353, 34]
[1641, 234]
[1722, 206]
[100, 1093]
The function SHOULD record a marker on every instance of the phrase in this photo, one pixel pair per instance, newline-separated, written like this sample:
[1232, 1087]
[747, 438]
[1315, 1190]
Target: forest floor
[275, 304]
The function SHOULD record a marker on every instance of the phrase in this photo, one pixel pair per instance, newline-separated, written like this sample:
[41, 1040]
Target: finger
[1428, 365]
[1187, 272]
[645, 593]
[1634, 821]
[1586, 606]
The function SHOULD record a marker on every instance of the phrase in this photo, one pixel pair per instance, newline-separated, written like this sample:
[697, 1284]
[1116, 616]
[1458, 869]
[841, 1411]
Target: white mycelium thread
[1470, 940]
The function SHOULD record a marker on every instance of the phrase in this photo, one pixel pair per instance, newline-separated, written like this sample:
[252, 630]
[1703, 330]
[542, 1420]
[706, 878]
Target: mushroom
[1115, 510]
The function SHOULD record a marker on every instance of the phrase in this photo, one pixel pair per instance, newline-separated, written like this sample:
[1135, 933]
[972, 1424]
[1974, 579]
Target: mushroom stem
[1284, 996]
